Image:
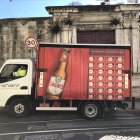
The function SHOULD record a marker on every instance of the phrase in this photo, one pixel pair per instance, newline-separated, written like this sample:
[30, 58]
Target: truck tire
[18, 108]
[91, 110]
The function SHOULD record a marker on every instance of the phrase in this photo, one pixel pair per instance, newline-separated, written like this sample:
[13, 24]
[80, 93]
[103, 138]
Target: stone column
[120, 36]
[74, 35]
[136, 52]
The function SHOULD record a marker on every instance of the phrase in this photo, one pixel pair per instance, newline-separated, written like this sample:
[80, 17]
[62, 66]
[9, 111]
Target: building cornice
[87, 8]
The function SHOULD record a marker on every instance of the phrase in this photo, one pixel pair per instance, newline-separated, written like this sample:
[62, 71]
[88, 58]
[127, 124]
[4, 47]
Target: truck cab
[14, 87]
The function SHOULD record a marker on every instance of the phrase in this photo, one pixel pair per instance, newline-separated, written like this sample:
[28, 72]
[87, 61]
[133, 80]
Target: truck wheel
[91, 110]
[18, 108]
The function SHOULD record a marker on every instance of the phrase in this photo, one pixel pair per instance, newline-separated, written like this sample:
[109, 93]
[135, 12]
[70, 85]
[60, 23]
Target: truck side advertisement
[84, 73]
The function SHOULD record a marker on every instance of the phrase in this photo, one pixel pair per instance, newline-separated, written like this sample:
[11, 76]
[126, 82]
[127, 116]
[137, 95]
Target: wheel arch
[27, 98]
[99, 106]
[101, 103]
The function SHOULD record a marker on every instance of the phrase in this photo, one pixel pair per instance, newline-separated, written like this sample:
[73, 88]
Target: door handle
[24, 87]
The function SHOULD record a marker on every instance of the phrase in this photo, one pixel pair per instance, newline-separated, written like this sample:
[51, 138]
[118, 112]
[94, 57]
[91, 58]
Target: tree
[74, 3]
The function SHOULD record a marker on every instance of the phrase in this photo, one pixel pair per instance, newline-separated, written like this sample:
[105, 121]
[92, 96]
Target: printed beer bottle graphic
[57, 80]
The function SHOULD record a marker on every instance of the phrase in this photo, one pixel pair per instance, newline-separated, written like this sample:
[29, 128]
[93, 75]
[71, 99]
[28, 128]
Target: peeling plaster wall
[13, 33]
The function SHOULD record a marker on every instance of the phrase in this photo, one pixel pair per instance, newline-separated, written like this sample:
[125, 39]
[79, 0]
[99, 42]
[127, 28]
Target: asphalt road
[69, 126]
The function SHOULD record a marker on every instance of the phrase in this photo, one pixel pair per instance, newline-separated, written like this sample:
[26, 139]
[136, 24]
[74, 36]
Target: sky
[36, 8]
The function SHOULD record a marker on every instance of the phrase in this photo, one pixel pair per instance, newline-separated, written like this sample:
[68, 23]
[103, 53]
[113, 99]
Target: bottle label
[64, 57]
[56, 85]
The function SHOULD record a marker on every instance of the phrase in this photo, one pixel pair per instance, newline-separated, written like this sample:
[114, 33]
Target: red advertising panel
[84, 73]
[112, 82]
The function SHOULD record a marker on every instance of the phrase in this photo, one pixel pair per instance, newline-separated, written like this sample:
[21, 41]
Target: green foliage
[115, 21]
[68, 21]
[75, 3]
[55, 27]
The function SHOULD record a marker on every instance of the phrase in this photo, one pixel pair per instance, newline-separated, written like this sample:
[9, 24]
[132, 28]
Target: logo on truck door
[9, 85]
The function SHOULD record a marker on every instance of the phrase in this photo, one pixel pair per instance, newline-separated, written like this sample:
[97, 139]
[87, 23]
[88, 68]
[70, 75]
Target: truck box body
[93, 72]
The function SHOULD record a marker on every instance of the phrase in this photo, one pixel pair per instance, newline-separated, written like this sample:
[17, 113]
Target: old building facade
[102, 24]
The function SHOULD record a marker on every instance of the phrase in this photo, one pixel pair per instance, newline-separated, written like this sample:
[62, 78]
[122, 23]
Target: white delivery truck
[83, 77]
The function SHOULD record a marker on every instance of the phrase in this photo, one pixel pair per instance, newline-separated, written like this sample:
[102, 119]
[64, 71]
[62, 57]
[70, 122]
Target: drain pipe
[133, 103]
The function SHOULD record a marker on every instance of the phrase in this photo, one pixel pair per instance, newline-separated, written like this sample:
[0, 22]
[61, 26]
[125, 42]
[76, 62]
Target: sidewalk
[117, 137]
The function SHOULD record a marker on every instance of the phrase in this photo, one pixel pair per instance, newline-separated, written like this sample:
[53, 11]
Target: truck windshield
[13, 71]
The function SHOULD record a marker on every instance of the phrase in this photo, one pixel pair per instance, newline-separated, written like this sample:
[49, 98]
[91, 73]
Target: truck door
[14, 80]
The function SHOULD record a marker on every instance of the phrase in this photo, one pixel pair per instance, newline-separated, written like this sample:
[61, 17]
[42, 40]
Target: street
[69, 126]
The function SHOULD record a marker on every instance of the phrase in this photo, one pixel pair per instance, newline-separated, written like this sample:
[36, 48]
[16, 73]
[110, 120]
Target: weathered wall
[13, 33]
